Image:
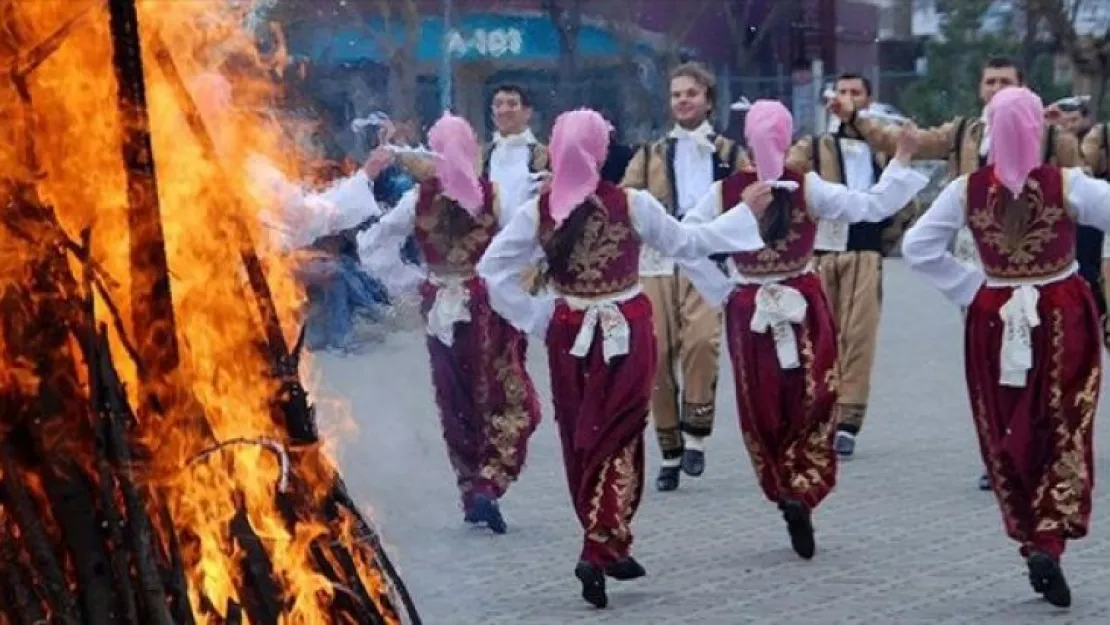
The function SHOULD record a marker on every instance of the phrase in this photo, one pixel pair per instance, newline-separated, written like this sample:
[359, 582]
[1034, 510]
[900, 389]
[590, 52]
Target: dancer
[601, 348]
[487, 405]
[780, 329]
[1032, 353]
[678, 170]
[849, 257]
[964, 143]
[1096, 157]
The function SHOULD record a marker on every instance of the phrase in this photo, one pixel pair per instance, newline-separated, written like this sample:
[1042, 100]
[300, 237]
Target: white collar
[521, 138]
[702, 135]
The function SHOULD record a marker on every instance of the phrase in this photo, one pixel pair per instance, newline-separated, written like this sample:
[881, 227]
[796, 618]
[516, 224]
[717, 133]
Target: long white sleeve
[1088, 198]
[297, 218]
[502, 268]
[926, 246]
[896, 187]
[713, 285]
[379, 247]
[733, 231]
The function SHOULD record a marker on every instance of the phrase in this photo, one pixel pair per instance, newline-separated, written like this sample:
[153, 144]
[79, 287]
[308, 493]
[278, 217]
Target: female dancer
[487, 404]
[781, 334]
[601, 346]
[1032, 330]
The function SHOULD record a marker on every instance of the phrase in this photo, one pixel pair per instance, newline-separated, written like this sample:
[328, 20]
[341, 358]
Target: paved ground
[906, 539]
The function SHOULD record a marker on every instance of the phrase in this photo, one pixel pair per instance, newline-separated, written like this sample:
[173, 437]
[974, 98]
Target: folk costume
[598, 326]
[677, 170]
[1096, 157]
[964, 144]
[1032, 355]
[848, 257]
[780, 327]
[488, 406]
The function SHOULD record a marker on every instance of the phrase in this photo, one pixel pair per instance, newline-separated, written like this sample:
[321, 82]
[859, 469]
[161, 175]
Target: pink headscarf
[1015, 117]
[579, 144]
[768, 128]
[456, 148]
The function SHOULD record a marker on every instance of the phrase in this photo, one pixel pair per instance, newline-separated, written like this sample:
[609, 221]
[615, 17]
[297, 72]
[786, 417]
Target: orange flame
[75, 129]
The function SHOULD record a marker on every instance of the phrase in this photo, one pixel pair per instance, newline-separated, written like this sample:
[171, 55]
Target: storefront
[487, 49]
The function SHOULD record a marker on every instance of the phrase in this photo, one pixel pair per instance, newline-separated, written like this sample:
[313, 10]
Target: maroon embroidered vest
[449, 238]
[790, 253]
[604, 257]
[1047, 246]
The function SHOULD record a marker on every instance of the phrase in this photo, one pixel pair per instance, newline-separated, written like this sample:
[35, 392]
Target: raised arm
[1088, 198]
[713, 285]
[1066, 151]
[935, 143]
[895, 188]
[926, 246]
[1093, 151]
[733, 231]
[503, 267]
[304, 217]
[379, 247]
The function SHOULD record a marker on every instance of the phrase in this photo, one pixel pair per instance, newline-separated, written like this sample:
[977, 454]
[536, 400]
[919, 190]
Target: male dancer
[849, 256]
[678, 170]
[1096, 157]
[964, 143]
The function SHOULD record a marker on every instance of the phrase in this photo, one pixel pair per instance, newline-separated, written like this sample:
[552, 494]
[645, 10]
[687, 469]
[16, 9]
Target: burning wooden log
[94, 526]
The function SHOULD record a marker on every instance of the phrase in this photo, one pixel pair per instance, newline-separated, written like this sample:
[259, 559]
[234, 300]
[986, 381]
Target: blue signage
[473, 37]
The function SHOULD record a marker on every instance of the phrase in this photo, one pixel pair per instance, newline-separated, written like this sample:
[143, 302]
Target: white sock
[696, 443]
[672, 462]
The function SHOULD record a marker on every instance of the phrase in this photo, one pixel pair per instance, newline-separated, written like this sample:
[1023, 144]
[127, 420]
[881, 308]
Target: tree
[1089, 54]
[750, 30]
[566, 15]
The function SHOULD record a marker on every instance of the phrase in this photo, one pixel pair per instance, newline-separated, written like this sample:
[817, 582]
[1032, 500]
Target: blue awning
[522, 38]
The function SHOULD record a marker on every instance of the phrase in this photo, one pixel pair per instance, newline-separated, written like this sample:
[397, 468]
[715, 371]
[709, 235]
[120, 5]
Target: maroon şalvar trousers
[488, 406]
[602, 411]
[1036, 440]
[786, 415]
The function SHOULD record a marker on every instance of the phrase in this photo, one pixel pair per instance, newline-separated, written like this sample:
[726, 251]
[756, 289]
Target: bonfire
[160, 460]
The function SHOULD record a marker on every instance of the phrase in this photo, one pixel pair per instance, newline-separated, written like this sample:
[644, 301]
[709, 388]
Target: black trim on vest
[863, 236]
[670, 155]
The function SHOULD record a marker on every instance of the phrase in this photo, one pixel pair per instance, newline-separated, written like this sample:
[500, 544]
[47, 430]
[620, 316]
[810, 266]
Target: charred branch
[151, 302]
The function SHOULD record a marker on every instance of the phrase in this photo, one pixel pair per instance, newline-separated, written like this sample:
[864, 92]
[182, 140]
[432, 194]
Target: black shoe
[845, 444]
[487, 511]
[668, 479]
[593, 584]
[1047, 578]
[984, 482]
[693, 462]
[626, 569]
[800, 526]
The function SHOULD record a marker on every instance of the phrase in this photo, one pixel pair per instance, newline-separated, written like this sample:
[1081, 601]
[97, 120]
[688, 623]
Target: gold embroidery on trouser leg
[1067, 479]
[504, 427]
[813, 447]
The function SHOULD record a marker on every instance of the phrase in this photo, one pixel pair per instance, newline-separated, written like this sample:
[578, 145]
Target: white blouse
[379, 247]
[825, 200]
[925, 245]
[513, 249]
[296, 218]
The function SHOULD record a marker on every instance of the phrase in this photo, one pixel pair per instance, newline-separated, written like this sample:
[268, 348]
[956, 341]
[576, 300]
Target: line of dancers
[748, 246]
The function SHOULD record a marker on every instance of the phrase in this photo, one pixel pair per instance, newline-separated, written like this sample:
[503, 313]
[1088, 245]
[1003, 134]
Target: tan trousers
[688, 335]
[853, 283]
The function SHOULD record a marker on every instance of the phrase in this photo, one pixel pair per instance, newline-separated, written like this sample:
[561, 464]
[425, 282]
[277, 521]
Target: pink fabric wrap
[768, 128]
[1015, 117]
[212, 94]
[456, 148]
[579, 145]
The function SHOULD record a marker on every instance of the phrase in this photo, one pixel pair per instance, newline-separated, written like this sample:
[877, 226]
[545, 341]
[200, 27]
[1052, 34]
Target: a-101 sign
[495, 42]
